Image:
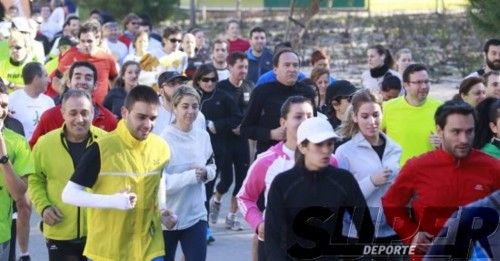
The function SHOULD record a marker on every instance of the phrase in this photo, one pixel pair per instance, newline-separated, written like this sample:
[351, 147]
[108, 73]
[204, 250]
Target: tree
[158, 10]
[485, 16]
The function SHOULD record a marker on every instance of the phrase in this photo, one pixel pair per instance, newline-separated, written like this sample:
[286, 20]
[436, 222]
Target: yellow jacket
[127, 163]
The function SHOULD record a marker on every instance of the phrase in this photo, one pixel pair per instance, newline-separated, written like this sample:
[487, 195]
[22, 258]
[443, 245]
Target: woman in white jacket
[372, 157]
[182, 188]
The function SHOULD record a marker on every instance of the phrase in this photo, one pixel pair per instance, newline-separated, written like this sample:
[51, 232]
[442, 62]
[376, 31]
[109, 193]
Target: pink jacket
[259, 178]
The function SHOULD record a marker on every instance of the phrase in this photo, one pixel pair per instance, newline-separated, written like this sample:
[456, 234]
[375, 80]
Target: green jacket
[53, 168]
[20, 157]
[492, 150]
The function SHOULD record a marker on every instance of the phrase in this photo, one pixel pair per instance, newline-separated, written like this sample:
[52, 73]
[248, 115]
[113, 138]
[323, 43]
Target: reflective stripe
[130, 174]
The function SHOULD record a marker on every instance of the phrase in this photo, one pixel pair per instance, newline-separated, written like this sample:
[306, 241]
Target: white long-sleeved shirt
[359, 157]
[181, 191]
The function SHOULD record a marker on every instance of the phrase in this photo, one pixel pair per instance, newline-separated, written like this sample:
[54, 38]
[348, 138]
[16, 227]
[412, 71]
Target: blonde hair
[184, 90]
[349, 128]
[20, 38]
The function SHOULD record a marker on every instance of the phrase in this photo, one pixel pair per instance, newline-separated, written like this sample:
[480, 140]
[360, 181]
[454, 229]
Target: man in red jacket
[83, 76]
[436, 183]
[88, 50]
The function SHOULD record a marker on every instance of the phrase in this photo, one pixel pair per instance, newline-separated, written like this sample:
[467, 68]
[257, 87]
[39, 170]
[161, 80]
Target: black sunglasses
[208, 79]
[173, 40]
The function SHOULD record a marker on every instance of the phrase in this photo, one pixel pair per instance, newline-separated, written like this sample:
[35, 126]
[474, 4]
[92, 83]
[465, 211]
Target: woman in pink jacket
[277, 159]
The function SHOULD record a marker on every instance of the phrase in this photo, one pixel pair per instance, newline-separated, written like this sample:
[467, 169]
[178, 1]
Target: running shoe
[232, 222]
[214, 211]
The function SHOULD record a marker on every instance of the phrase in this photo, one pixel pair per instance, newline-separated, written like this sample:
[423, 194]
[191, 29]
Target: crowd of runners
[125, 142]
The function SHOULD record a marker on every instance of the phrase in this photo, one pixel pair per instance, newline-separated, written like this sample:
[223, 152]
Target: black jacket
[263, 113]
[290, 220]
[114, 100]
[219, 107]
[238, 93]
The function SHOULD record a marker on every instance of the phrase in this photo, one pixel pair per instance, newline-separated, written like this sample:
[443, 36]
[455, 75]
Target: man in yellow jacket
[123, 170]
[56, 156]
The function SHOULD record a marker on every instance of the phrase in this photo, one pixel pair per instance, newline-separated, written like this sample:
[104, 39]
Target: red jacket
[435, 184]
[52, 119]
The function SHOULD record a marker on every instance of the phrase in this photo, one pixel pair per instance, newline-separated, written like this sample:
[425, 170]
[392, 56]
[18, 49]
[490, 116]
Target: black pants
[66, 250]
[236, 153]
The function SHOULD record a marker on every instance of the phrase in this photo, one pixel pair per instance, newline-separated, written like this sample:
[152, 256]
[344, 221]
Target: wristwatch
[4, 159]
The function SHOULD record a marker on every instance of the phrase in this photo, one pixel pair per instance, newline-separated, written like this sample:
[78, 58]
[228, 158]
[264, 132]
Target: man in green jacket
[15, 164]
[56, 156]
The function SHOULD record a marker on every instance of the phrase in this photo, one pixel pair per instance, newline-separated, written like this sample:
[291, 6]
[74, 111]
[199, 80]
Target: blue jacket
[257, 67]
[270, 76]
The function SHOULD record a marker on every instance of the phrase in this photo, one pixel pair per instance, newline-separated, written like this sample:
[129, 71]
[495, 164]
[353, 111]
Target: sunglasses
[209, 79]
[173, 40]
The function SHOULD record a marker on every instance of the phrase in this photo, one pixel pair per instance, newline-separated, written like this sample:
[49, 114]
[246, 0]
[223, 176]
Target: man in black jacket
[261, 121]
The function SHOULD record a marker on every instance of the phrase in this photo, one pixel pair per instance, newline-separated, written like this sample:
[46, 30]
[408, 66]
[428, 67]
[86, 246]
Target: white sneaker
[214, 211]
[232, 222]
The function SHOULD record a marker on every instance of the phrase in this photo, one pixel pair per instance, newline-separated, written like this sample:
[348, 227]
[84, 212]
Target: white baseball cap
[315, 130]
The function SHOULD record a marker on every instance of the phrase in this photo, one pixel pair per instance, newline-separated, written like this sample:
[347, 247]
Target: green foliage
[158, 10]
[485, 16]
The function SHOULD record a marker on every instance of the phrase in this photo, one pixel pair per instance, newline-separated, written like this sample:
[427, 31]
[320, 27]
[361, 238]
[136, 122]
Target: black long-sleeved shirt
[263, 112]
[293, 191]
[238, 93]
[219, 107]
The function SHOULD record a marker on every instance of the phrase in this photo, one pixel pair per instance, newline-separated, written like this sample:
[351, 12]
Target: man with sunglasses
[88, 50]
[169, 82]
[409, 119]
[170, 57]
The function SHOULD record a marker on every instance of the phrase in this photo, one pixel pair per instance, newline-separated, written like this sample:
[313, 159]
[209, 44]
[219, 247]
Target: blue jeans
[193, 242]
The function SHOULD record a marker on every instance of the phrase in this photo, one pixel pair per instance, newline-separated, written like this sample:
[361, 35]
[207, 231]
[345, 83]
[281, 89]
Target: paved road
[228, 244]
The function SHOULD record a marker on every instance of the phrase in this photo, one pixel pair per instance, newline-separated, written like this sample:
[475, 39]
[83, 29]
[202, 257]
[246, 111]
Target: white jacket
[182, 192]
[358, 156]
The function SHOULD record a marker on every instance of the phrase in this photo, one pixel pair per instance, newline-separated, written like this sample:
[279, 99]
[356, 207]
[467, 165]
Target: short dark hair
[234, 57]
[70, 18]
[219, 41]
[83, 64]
[170, 30]
[296, 99]
[30, 70]
[277, 55]
[75, 93]
[141, 93]
[452, 107]
[257, 29]
[390, 82]
[3, 88]
[203, 70]
[412, 68]
[487, 111]
[89, 27]
[489, 43]
[467, 84]
[487, 76]
[232, 21]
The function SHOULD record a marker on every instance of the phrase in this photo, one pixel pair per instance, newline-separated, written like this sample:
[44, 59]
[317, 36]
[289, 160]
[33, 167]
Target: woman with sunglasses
[338, 98]
[313, 189]
[371, 157]
[127, 80]
[222, 115]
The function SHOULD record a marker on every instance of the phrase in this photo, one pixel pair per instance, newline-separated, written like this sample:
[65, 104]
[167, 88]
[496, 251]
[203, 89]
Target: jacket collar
[127, 138]
[251, 56]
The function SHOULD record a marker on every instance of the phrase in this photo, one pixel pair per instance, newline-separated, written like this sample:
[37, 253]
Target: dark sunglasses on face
[173, 40]
[208, 79]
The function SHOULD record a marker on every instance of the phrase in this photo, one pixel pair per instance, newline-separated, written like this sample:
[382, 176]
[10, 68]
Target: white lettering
[366, 250]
